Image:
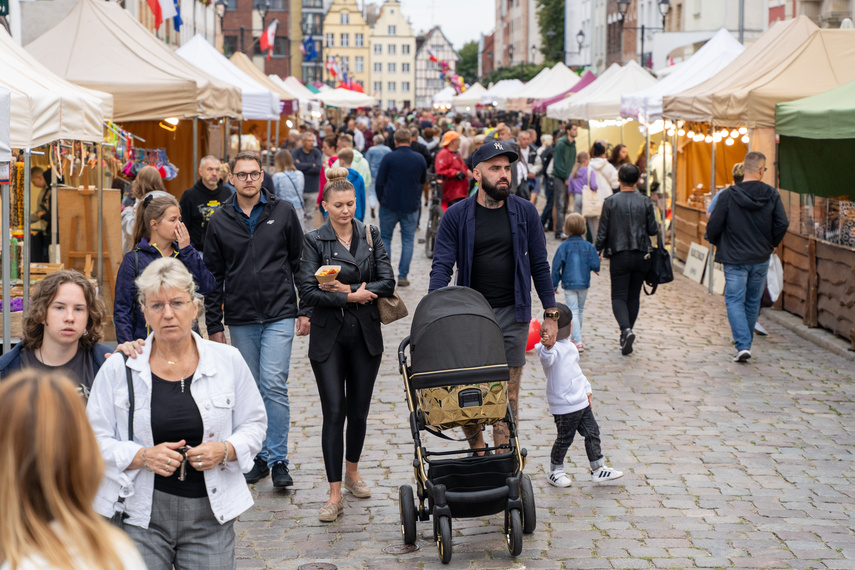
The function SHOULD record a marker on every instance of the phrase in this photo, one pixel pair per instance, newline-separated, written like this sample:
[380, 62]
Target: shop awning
[829, 115]
[469, 98]
[100, 45]
[345, 99]
[601, 100]
[587, 79]
[45, 107]
[769, 51]
[289, 101]
[257, 101]
[556, 81]
[646, 105]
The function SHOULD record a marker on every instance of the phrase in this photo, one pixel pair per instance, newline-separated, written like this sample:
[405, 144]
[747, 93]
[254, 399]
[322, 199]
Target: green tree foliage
[523, 72]
[550, 17]
[467, 67]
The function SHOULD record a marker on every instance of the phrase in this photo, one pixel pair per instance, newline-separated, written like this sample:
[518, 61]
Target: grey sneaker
[742, 356]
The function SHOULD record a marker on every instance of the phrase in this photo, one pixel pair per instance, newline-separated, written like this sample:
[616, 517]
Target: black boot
[626, 339]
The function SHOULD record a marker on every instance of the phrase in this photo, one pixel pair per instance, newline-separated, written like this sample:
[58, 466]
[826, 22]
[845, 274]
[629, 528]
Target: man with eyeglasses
[747, 224]
[253, 249]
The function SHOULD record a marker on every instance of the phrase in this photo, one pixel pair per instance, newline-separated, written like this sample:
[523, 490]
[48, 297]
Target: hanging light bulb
[698, 138]
[691, 134]
[742, 130]
[671, 132]
[717, 137]
[723, 133]
[734, 133]
[681, 133]
[728, 142]
[745, 139]
[708, 139]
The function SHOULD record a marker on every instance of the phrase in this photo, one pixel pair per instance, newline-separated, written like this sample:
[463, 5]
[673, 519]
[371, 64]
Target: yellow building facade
[347, 39]
[393, 58]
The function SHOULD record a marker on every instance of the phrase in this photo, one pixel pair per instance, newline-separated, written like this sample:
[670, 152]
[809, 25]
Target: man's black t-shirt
[493, 259]
[198, 204]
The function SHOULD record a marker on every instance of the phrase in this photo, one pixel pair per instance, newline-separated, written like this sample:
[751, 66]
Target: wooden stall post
[712, 193]
[54, 206]
[27, 242]
[195, 141]
[100, 224]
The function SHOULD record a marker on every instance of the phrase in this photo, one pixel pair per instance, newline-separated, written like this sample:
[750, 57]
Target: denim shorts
[515, 333]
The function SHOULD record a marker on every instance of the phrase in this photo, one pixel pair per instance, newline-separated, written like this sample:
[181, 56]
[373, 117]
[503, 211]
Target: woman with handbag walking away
[626, 224]
[345, 343]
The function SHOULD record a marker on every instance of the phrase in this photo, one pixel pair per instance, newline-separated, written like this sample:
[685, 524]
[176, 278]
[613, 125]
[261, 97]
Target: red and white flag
[162, 9]
[333, 68]
[266, 40]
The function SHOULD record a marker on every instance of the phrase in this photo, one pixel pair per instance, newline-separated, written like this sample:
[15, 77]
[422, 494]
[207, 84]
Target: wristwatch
[553, 314]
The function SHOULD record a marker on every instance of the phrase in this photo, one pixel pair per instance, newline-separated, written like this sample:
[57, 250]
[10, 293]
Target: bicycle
[434, 213]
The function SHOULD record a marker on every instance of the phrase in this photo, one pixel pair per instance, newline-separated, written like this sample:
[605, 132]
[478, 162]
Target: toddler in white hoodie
[568, 394]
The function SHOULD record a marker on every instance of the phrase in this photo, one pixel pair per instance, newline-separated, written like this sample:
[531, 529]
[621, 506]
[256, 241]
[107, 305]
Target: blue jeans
[575, 299]
[388, 220]
[743, 290]
[266, 348]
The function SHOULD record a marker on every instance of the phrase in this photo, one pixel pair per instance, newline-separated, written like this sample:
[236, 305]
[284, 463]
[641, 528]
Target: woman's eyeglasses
[242, 176]
[176, 306]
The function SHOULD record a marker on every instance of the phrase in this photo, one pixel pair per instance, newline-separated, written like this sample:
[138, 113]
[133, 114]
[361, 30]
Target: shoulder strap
[130, 380]
[136, 266]
[369, 237]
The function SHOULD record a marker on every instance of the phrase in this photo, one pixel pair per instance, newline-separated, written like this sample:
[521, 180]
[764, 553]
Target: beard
[494, 192]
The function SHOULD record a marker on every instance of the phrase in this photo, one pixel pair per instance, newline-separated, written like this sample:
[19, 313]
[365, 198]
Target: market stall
[309, 109]
[540, 105]
[443, 98]
[496, 96]
[469, 99]
[345, 99]
[819, 252]
[555, 81]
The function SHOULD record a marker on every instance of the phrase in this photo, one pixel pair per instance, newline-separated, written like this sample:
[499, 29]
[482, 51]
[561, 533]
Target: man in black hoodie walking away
[746, 226]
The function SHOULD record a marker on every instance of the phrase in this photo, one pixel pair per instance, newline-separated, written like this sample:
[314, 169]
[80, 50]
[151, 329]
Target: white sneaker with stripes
[559, 479]
[604, 474]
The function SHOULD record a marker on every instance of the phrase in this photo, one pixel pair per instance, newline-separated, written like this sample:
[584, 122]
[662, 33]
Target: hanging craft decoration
[447, 75]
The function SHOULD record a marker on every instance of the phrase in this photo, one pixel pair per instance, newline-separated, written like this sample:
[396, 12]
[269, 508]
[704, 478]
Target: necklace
[346, 244]
[170, 363]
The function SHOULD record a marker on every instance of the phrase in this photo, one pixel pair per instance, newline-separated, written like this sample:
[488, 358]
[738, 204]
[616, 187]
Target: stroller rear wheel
[442, 531]
[529, 513]
[513, 532]
[408, 514]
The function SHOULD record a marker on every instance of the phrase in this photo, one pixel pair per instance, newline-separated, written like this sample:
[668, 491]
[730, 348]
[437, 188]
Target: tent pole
[664, 184]
[240, 131]
[28, 238]
[54, 207]
[712, 193]
[673, 194]
[269, 146]
[195, 139]
[100, 226]
[7, 266]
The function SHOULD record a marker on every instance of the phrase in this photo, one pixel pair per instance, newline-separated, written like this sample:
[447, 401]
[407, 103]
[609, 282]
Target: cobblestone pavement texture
[727, 465]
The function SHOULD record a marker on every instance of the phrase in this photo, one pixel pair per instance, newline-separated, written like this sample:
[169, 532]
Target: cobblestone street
[726, 465]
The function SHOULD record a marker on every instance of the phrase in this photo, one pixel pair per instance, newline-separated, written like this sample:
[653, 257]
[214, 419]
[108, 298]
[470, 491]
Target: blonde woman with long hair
[50, 470]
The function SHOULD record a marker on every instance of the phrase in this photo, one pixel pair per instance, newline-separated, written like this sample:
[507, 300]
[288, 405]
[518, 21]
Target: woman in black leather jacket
[626, 224]
[345, 343]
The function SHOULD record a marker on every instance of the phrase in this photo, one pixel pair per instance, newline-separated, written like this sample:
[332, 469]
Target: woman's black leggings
[627, 270]
[345, 384]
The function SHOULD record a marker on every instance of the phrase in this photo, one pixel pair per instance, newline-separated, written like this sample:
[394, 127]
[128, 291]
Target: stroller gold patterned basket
[458, 377]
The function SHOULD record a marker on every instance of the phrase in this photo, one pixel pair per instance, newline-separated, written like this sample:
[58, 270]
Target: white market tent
[444, 97]
[45, 107]
[469, 98]
[715, 55]
[600, 100]
[535, 83]
[258, 102]
[5, 125]
[307, 99]
[346, 99]
[558, 80]
[497, 94]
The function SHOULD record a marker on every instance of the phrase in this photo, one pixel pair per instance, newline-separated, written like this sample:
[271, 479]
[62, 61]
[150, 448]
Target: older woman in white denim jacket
[198, 423]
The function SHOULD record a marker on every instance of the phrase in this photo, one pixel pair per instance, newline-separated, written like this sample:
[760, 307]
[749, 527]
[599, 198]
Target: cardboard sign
[4, 172]
[696, 262]
[717, 279]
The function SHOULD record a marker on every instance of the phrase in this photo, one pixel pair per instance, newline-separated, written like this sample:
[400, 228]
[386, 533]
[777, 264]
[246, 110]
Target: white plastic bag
[775, 277]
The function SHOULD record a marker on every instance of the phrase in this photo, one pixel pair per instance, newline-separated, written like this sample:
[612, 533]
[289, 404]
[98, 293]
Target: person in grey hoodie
[747, 224]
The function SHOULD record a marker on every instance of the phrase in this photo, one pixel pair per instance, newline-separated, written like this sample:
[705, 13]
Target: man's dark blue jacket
[455, 243]
[400, 179]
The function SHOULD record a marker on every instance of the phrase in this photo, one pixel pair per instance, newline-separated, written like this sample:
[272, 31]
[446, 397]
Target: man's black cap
[491, 149]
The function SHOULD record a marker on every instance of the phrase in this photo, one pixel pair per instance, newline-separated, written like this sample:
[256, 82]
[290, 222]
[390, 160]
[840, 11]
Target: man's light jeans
[743, 290]
[266, 348]
[388, 220]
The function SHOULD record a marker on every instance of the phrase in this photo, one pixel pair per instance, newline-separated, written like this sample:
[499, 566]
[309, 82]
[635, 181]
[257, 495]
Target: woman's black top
[175, 416]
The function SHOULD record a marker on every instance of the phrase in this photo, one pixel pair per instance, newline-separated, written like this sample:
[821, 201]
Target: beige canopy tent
[100, 45]
[242, 61]
[765, 55]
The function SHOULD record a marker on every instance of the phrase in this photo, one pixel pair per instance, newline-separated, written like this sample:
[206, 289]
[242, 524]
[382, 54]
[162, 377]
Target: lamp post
[580, 39]
[623, 6]
[262, 7]
[510, 55]
[220, 7]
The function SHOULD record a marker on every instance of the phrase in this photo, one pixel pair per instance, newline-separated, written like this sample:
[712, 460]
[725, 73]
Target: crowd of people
[183, 424]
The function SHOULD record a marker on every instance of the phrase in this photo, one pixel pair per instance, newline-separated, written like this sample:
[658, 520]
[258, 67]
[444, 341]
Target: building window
[378, 68]
[358, 40]
[231, 4]
[378, 49]
[345, 40]
[345, 63]
[359, 64]
[391, 87]
[392, 67]
[391, 30]
[345, 19]
[280, 47]
[277, 5]
[313, 3]
[378, 86]
[391, 49]
[405, 68]
[405, 49]
[330, 40]
[405, 86]
[230, 45]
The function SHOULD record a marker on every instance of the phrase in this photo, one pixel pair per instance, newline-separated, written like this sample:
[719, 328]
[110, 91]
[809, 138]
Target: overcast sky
[460, 20]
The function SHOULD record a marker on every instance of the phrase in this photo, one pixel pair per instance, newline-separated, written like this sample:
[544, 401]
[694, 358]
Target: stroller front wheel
[443, 538]
[529, 513]
[514, 532]
[408, 514]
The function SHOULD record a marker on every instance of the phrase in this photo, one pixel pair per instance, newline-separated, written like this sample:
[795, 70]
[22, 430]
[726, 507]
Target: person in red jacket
[450, 165]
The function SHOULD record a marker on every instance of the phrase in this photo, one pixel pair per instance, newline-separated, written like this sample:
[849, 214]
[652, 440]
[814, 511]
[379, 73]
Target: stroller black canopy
[455, 339]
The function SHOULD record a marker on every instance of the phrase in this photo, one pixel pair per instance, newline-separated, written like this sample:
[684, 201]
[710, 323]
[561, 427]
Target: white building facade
[392, 58]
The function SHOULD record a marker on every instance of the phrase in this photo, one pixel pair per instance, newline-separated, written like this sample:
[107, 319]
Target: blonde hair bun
[338, 173]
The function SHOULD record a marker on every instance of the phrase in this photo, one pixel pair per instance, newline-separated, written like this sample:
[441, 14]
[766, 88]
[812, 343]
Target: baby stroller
[458, 376]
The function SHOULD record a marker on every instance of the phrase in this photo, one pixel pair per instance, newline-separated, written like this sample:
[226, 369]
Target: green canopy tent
[816, 134]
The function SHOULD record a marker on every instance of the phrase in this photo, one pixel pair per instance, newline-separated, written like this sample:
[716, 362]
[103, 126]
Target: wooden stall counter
[690, 225]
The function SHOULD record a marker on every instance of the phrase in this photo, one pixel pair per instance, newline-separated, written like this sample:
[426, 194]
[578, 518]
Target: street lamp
[623, 6]
[263, 7]
[510, 55]
[220, 6]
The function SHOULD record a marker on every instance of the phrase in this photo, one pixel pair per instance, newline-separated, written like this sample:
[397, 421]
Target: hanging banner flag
[268, 38]
[155, 9]
[167, 9]
[308, 49]
[333, 68]
[177, 22]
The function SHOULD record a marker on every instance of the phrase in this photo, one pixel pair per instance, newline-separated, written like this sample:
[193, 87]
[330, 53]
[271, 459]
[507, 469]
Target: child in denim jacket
[572, 266]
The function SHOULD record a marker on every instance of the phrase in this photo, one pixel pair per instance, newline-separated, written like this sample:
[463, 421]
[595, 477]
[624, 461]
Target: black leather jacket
[626, 223]
[320, 247]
